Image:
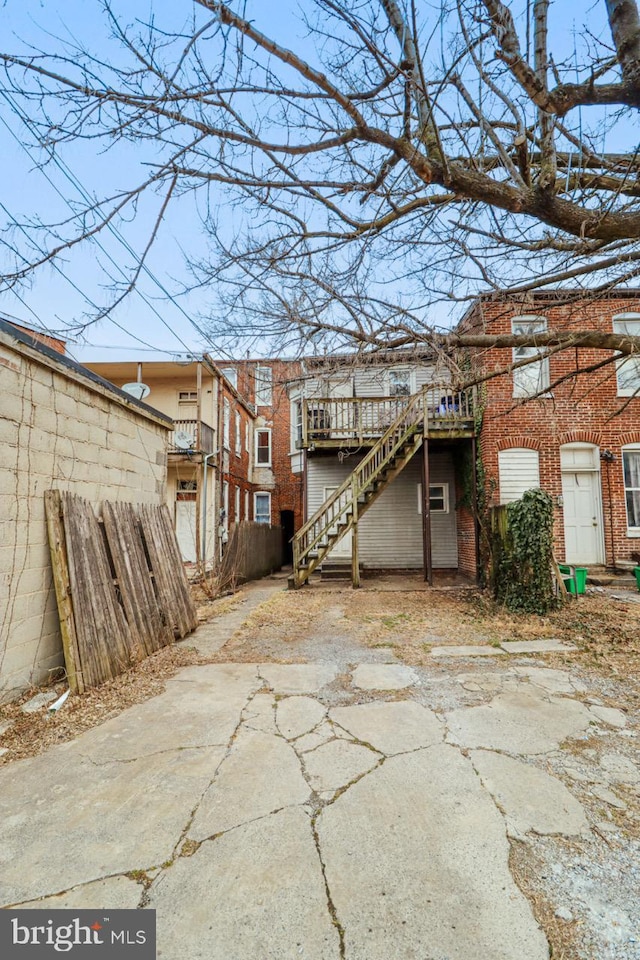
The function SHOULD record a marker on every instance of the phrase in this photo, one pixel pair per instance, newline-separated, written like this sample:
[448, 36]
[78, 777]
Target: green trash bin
[636, 570]
[580, 583]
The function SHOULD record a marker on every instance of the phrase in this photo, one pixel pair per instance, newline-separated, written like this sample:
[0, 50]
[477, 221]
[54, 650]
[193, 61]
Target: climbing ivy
[522, 542]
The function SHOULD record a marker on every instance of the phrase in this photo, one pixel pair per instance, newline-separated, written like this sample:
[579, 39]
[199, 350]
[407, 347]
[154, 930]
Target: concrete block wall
[584, 408]
[58, 430]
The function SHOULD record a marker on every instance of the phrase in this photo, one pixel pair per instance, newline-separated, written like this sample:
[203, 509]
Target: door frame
[596, 472]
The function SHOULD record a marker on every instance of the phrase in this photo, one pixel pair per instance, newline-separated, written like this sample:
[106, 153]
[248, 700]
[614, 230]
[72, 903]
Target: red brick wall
[54, 343]
[583, 408]
[239, 466]
[286, 494]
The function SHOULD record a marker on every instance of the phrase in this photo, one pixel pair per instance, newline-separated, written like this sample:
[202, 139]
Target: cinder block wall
[58, 430]
[584, 408]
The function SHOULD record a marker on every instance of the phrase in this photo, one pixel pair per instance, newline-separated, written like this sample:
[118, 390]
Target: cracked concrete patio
[319, 810]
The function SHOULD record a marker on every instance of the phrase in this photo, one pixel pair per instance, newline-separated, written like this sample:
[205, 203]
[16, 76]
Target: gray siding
[391, 530]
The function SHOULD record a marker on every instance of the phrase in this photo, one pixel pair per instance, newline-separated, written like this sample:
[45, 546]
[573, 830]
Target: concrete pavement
[283, 811]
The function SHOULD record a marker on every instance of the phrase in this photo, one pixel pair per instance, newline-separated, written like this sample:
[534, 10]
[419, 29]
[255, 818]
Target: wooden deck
[338, 422]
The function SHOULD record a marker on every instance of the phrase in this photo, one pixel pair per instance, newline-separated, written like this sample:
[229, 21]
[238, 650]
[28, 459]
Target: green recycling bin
[636, 570]
[580, 583]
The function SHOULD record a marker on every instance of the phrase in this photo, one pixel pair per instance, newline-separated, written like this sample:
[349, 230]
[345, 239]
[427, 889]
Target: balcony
[359, 421]
[192, 437]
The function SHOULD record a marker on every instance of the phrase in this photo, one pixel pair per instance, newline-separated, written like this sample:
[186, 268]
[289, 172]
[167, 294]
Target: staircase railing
[329, 523]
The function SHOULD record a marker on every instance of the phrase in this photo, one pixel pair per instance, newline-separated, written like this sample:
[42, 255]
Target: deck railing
[361, 420]
[192, 436]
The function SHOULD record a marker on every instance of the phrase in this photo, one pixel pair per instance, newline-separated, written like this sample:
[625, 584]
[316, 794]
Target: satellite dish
[137, 390]
[183, 440]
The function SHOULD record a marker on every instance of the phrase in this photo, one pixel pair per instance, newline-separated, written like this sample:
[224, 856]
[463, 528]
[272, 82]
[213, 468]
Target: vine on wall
[522, 548]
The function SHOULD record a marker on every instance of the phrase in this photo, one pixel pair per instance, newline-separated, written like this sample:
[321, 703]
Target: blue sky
[57, 297]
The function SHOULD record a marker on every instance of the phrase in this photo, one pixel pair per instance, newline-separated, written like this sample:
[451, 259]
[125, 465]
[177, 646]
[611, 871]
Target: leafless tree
[403, 155]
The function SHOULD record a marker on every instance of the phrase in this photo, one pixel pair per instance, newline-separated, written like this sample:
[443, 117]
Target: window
[263, 448]
[296, 425]
[246, 504]
[519, 470]
[400, 382]
[226, 422]
[438, 498]
[262, 507]
[628, 370]
[631, 471]
[187, 396]
[263, 386]
[533, 378]
[247, 444]
[238, 435]
[231, 374]
[236, 514]
[223, 530]
[186, 489]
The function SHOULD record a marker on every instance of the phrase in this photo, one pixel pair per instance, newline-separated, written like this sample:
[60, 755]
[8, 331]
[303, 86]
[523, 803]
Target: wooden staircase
[341, 512]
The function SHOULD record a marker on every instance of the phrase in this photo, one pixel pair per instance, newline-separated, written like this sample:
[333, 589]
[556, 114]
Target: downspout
[205, 463]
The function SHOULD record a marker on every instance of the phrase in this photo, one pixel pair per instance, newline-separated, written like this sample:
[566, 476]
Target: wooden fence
[254, 550]
[120, 585]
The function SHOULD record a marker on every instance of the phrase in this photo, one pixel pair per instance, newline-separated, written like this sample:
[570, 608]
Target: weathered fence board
[60, 566]
[104, 637]
[122, 591]
[172, 588]
[147, 624]
[253, 550]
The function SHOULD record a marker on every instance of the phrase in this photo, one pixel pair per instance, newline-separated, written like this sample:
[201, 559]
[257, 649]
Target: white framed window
[226, 424]
[533, 378]
[231, 375]
[223, 530]
[400, 382]
[263, 448]
[264, 386]
[187, 397]
[238, 435]
[628, 368]
[236, 514]
[438, 498]
[246, 504]
[518, 471]
[631, 475]
[296, 425]
[247, 435]
[262, 507]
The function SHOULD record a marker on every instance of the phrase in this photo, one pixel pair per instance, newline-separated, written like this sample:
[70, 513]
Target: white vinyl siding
[519, 470]
[390, 533]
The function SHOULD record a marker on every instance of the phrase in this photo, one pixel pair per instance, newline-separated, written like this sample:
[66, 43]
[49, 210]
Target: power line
[70, 176]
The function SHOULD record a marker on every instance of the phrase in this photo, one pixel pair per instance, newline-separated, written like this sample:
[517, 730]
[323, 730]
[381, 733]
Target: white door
[186, 529]
[342, 549]
[581, 492]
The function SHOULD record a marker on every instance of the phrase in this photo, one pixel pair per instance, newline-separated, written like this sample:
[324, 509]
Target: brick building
[579, 438]
[277, 472]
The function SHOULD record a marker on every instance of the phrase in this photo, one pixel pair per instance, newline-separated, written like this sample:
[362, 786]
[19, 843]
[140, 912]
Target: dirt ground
[385, 621]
